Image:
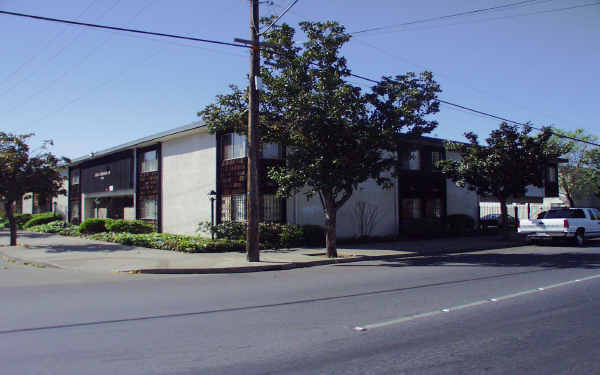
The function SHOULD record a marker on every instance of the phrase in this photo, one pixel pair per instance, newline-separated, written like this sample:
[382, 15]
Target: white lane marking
[403, 319]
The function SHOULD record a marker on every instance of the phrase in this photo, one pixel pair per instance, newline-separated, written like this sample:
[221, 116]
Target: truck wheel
[579, 237]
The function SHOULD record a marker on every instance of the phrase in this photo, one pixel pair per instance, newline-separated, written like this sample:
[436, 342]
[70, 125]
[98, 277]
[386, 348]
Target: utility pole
[253, 192]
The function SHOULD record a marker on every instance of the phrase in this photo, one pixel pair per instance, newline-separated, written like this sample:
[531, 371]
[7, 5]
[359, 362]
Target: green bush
[95, 225]
[272, 235]
[314, 235]
[460, 224]
[51, 227]
[129, 226]
[173, 242]
[42, 218]
[424, 227]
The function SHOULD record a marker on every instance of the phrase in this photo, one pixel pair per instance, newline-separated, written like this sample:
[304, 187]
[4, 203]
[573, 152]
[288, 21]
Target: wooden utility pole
[253, 192]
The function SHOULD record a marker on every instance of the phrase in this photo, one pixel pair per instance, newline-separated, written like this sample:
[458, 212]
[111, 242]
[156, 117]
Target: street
[531, 309]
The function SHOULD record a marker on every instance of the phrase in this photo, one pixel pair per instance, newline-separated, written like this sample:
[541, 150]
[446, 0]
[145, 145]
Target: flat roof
[137, 142]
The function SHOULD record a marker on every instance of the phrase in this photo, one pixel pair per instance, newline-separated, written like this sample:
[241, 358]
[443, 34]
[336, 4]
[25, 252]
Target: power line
[70, 22]
[495, 18]
[277, 19]
[431, 19]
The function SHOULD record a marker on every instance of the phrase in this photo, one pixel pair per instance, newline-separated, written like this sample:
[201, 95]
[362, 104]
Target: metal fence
[489, 212]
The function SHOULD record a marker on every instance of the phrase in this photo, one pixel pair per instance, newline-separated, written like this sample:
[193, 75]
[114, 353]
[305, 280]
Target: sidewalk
[95, 256]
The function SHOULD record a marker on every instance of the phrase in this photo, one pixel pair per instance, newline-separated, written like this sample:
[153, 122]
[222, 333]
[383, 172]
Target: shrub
[460, 224]
[272, 235]
[314, 235]
[173, 242]
[424, 227]
[95, 225]
[129, 226]
[52, 227]
[42, 218]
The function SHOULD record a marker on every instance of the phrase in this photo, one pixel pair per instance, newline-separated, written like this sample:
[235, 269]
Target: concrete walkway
[87, 255]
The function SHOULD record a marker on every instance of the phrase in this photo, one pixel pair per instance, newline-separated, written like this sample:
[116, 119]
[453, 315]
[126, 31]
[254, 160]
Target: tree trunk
[8, 207]
[504, 219]
[570, 199]
[331, 236]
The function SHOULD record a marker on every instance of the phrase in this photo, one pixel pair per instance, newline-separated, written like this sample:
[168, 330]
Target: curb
[314, 263]
[24, 262]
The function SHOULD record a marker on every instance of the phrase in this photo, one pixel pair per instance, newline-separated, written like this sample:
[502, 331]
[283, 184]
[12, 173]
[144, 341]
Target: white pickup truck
[574, 223]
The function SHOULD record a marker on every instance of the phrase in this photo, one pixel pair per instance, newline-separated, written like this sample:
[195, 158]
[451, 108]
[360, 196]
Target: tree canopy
[338, 135]
[22, 173]
[579, 177]
[509, 162]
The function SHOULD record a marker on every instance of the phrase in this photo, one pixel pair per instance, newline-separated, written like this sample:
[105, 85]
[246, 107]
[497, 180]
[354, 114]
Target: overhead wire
[106, 27]
[454, 15]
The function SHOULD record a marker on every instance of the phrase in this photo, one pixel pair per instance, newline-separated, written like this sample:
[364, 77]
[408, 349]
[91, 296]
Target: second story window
[436, 156]
[75, 177]
[150, 161]
[234, 146]
[271, 151]
[411, 160]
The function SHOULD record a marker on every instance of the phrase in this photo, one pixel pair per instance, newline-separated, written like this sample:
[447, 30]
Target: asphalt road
[527, 310]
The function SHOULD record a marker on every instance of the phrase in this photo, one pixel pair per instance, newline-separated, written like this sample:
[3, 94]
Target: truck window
[565, 214]
[541, 215]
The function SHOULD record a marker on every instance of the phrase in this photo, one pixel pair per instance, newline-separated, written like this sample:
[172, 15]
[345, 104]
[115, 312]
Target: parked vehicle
[572, 223]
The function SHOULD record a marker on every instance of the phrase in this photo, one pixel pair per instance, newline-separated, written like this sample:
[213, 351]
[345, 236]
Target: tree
[338, 136]
[22, 173]
[511, 161]
[579, 177]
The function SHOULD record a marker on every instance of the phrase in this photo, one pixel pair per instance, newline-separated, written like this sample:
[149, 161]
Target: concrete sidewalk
[87, 255]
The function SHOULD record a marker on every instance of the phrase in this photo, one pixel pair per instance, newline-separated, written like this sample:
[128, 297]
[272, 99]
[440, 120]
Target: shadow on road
[562, 260]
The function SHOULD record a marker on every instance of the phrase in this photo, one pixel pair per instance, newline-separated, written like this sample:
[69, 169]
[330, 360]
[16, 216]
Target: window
[436, 156]
[411, 160]
[149, 209]
[271, 151]
[234, 146]
[233, 207]
[433, 208]
[150, 161]
[75, 177]
[411, 208]
[271, 208]
[551, 174]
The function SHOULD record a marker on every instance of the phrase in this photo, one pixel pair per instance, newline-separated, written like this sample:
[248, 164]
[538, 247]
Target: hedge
[129, 226]
[52, 227]
[173, 242]
[94, 225]
[42, 218]
[460, 224]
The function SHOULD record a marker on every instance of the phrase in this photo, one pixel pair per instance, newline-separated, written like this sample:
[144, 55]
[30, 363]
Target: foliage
[94, 225]
[339, 136]
[511, 160]
[459, 224]
[42, 218]
[52, 227]
[20, 220]
[580, 177]
[173, 242]
[272, 235]
[21, 173]
[129, 226]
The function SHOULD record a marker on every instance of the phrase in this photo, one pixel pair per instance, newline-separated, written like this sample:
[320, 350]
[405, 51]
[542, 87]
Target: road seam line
[403, 319]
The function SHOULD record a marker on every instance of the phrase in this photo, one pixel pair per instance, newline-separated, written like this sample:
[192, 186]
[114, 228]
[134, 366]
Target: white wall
[188, 174]
[460, 200]
[27, 201]
[301, 212]
[61, 201]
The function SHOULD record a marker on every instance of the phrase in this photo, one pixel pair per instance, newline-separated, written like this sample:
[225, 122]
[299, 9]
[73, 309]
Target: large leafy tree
[579, 177]
[510, 161]
[338, 135]
[22, 173]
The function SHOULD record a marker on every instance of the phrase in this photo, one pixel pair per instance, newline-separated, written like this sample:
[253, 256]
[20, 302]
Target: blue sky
[91, 89]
